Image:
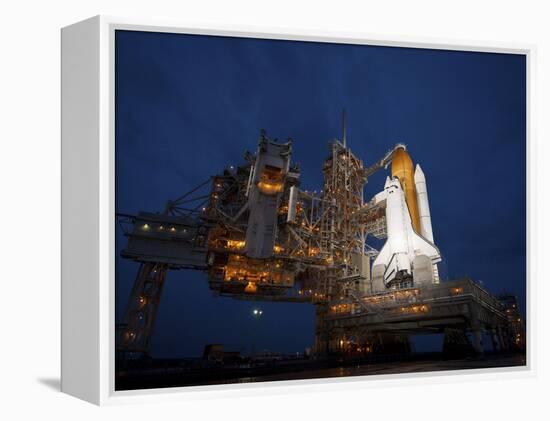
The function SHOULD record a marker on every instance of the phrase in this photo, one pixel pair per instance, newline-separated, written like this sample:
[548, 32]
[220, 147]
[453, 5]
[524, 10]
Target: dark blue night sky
[188, 106]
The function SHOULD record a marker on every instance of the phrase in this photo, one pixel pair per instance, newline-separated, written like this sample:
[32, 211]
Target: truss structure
[319, 250]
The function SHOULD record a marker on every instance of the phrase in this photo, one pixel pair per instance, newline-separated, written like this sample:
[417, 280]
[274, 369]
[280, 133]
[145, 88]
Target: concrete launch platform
[461, 309]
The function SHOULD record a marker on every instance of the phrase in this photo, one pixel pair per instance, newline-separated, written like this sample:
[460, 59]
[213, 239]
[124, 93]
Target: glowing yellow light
[278, 249]
[313, 251]
[145, 227]
[236, 244]
[270, 188]
[250, 288]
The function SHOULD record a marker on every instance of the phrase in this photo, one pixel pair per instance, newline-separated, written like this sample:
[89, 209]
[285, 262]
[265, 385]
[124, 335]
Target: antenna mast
[344, 127]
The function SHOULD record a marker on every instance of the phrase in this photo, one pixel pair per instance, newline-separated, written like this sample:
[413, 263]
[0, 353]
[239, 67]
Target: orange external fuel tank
[402, 168]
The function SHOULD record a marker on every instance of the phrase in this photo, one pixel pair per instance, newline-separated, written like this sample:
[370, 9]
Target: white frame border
[106, 212]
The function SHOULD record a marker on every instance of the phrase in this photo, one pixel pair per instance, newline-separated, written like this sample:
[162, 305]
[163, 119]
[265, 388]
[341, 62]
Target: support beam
[477, 342]
[495, 340]
[135, 334]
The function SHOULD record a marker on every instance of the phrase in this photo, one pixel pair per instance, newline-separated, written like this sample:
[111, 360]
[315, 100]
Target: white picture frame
[88, 209]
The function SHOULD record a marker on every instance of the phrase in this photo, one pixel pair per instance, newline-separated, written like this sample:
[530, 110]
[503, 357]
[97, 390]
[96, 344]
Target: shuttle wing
[422, 246]
[384, 255]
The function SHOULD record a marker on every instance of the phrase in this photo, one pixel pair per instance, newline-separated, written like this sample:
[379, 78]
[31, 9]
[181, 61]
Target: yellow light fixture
[250, 288]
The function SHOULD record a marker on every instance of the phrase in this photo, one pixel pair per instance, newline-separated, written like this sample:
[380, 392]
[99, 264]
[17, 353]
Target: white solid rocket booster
[423, 204]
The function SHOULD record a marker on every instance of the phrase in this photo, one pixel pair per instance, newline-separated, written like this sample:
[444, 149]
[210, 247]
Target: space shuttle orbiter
[409, 254]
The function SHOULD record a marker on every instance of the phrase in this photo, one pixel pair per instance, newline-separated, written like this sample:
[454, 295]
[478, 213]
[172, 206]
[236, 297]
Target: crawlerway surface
[171, 374]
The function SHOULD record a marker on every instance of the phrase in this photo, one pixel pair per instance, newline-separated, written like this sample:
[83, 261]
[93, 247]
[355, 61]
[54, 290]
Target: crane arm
[383, 163]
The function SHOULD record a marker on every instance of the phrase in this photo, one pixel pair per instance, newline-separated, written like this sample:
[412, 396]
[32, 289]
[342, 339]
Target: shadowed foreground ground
[171, 374]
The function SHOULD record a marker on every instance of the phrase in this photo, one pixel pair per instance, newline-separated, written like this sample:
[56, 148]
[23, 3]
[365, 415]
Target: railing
[400, 300]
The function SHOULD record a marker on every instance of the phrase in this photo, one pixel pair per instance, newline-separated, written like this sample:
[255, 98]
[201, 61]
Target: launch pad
[382, 322]
[258, 236]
